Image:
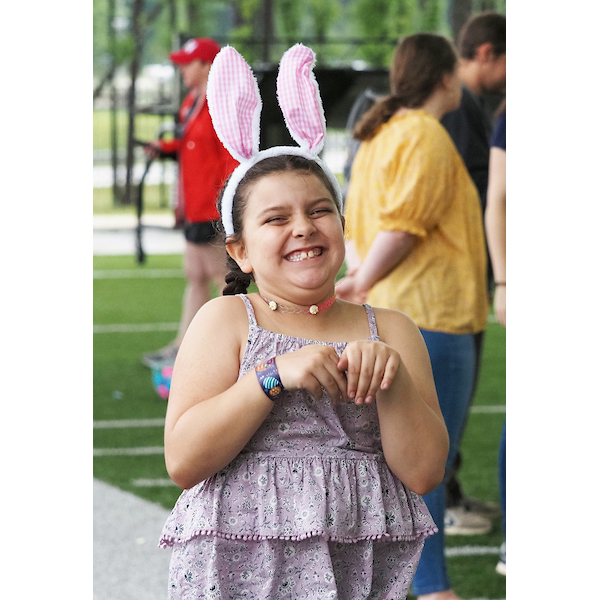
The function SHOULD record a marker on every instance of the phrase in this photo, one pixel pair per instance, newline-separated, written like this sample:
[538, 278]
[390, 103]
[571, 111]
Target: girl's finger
[350, 363]
[378, 372]
[334, 381]
[391, 368]
[365, 375]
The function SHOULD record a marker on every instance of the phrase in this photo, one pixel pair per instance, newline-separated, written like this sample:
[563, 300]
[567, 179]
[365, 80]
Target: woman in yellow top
[416, 242]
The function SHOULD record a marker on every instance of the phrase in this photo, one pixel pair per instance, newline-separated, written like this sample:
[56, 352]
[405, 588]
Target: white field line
[127, 423]
[488, 410]
[135, 327]
[139, 274]
[133, 423]
[471, 551]
[159, 482]
[141, 327]
[143, 451]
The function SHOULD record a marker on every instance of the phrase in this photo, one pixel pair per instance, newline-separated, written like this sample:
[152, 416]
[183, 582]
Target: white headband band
[234, 103]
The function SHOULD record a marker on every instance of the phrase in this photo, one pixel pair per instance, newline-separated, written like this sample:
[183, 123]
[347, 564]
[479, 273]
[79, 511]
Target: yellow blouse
[410, 177]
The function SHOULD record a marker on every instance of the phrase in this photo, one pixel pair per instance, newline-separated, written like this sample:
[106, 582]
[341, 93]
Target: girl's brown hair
[419, 64]
[237, 282]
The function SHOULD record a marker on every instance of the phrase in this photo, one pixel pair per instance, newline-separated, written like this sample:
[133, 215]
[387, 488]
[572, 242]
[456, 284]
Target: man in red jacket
[204, 166]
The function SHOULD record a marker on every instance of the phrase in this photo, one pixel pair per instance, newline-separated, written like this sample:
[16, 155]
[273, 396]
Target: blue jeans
[453, 363]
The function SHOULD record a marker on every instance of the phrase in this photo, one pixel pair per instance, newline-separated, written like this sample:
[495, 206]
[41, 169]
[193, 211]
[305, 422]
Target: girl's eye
[321, 210]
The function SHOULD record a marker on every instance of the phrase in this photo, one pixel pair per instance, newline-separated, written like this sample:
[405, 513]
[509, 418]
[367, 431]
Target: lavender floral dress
[308, 510]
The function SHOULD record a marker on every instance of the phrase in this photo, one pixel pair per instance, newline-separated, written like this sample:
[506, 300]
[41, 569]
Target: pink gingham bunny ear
[234, 104]
[300, 100]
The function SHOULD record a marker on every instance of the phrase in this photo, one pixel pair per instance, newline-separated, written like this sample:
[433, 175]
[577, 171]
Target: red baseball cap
[204, 49]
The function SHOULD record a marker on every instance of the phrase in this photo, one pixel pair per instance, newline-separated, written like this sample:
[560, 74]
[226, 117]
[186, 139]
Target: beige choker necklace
[311, 310]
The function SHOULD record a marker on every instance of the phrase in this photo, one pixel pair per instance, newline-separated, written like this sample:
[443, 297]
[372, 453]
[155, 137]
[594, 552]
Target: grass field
[136, 310]
[146, 127]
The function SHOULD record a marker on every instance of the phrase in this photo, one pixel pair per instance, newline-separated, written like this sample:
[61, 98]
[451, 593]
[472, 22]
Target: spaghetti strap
[249, 309]
[372, 321]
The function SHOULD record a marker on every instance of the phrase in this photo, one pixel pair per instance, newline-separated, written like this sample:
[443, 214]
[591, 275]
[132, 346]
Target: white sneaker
[501, 566]
[458, 521]
[481, 507]
[160, 357]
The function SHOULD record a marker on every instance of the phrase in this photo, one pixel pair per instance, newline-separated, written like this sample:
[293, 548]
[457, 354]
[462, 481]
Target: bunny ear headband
[234, 104]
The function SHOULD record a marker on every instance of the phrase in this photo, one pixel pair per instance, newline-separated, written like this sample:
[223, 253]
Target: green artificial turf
[123, 390]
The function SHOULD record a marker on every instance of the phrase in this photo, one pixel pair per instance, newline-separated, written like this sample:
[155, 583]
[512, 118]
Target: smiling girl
[302, 427]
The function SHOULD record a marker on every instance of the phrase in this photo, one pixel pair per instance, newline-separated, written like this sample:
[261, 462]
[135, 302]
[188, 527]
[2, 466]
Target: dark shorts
[201, 233]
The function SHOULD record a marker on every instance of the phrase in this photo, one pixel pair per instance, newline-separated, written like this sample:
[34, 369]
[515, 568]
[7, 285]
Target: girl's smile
[300, 255]
[292, 237]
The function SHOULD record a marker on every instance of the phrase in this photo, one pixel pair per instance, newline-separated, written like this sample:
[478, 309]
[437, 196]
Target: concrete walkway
[116, 234]
[128, 564]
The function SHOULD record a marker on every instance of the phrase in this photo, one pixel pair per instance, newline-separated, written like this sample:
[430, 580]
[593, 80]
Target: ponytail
[237, 282]
[380, 113]
[419, 64]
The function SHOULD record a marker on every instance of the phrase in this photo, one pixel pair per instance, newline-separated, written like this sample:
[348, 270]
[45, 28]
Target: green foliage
[381, 22]
[238, 39]
[248, 31]
[324, 12]
[240, 23]
[401, 18]
[431, 16]
[248, 8]
[288, 13]
[124, 49]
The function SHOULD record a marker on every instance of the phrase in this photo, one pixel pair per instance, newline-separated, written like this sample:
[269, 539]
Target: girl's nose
[303, 226]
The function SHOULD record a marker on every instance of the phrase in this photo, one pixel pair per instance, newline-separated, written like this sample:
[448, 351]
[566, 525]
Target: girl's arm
[398, 371]
[388, 250]
[352, 259]
[210, 415]
[495, 227]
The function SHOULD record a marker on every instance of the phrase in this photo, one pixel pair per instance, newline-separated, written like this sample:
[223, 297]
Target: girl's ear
[237, 251]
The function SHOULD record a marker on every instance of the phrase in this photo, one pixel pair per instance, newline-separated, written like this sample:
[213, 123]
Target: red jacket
[204, 164]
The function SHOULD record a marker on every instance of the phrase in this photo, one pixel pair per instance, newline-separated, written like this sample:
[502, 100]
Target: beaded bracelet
[269, 379]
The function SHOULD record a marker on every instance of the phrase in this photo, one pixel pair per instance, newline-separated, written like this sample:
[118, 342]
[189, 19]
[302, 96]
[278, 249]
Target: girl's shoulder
[221, 304]
[223, 315]
[394, 325]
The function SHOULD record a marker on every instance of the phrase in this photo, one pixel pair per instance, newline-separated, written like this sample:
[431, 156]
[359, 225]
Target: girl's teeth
[304, 255]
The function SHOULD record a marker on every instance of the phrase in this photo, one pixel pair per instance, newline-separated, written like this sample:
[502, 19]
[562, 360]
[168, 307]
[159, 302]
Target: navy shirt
[470, 128]
[499, 134]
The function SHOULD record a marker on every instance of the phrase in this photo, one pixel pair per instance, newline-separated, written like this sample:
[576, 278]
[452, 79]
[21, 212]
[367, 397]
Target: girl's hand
[500, 304]
[346, 289]
[313, 367]
[370, 366]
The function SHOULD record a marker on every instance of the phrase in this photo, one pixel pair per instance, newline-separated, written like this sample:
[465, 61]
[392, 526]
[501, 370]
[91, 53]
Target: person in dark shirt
[470, 128]
[482, 70]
